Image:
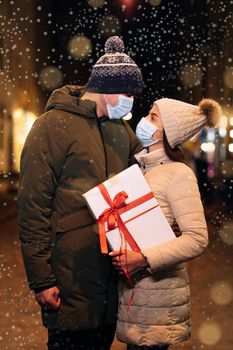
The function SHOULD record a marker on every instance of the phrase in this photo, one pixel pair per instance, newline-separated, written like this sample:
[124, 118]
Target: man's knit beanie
[181, 121]
[115, 72]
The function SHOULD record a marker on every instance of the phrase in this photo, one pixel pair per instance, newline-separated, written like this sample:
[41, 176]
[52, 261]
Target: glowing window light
[80, 47]
[230, 147]
[29, 119]
[231, 121]
[128, 116]
[22, 123]
[209, 333]
[221, 293]
[17, 114]
[222, 132]
[208, 147]
[231, 133]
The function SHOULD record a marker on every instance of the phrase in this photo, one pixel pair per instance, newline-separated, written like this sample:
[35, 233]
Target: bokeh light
[50, 78]
[223, 121]
[109, 25]
[222, 125]
[208, 147]
[210, 134]
[226, 232]
[154, 2]
[228, 77]
[80, 47]
[191, 75]
[96, 3]
[209, 333]
[222, 132]
[221, 293]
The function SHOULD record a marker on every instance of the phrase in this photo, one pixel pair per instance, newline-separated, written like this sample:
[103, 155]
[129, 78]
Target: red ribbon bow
[112, 217]
[109, 214]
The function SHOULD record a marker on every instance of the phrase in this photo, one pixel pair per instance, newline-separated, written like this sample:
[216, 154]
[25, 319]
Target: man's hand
[49, 298]
[128, 261]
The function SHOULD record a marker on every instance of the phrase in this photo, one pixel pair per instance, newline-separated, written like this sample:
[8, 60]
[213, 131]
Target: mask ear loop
[106, 99]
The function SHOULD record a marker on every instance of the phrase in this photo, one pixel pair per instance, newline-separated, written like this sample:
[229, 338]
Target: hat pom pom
[212, 110]
[114, 44]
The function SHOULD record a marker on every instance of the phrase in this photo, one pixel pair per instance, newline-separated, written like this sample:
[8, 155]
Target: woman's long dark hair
[175, 153]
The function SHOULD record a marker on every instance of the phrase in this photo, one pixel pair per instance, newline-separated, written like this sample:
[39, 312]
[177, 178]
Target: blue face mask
[144, 132]
[123, 107]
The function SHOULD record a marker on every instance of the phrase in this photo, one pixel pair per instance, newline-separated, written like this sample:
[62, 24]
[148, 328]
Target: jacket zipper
[105, 152]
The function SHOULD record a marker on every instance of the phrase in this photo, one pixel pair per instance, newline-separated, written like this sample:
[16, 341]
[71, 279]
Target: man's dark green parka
[68, 151]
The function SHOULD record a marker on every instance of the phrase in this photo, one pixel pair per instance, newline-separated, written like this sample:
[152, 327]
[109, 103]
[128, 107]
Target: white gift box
[146, 222]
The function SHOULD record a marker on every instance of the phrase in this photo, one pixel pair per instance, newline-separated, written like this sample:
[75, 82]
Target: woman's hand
[128, 260]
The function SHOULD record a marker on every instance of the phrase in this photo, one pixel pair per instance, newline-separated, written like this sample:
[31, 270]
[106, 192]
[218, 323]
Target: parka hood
[68, 99]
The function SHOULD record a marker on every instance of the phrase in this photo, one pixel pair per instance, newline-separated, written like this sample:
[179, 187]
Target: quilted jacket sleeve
[184, 199]
[41, 162]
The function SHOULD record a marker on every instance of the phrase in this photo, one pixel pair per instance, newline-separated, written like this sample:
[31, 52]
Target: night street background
[185, 51]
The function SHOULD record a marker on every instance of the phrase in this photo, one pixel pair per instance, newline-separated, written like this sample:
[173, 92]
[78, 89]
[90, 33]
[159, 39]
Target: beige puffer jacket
[160, 312]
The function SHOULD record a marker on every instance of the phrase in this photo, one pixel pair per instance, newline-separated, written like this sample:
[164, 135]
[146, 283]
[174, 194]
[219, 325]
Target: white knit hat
[181, 121]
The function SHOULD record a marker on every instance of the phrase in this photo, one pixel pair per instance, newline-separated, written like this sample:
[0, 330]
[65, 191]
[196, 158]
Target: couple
[78, 143]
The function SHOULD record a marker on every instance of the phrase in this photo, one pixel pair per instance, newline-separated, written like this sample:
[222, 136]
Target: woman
[159, 314]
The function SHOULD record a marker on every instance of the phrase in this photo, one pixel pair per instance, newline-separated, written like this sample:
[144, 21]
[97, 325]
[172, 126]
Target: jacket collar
[68, 99]
[150, 159]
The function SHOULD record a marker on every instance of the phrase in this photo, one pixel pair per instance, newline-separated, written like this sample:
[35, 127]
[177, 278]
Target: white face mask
[144, 132]
[123, 107]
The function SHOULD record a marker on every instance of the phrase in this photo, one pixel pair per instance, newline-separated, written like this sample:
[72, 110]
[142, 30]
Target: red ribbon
[112, 217]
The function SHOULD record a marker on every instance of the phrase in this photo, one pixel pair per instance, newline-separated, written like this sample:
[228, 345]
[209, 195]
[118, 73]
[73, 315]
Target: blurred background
[185, 51]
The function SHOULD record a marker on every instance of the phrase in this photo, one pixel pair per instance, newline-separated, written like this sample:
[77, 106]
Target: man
[78, 143]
